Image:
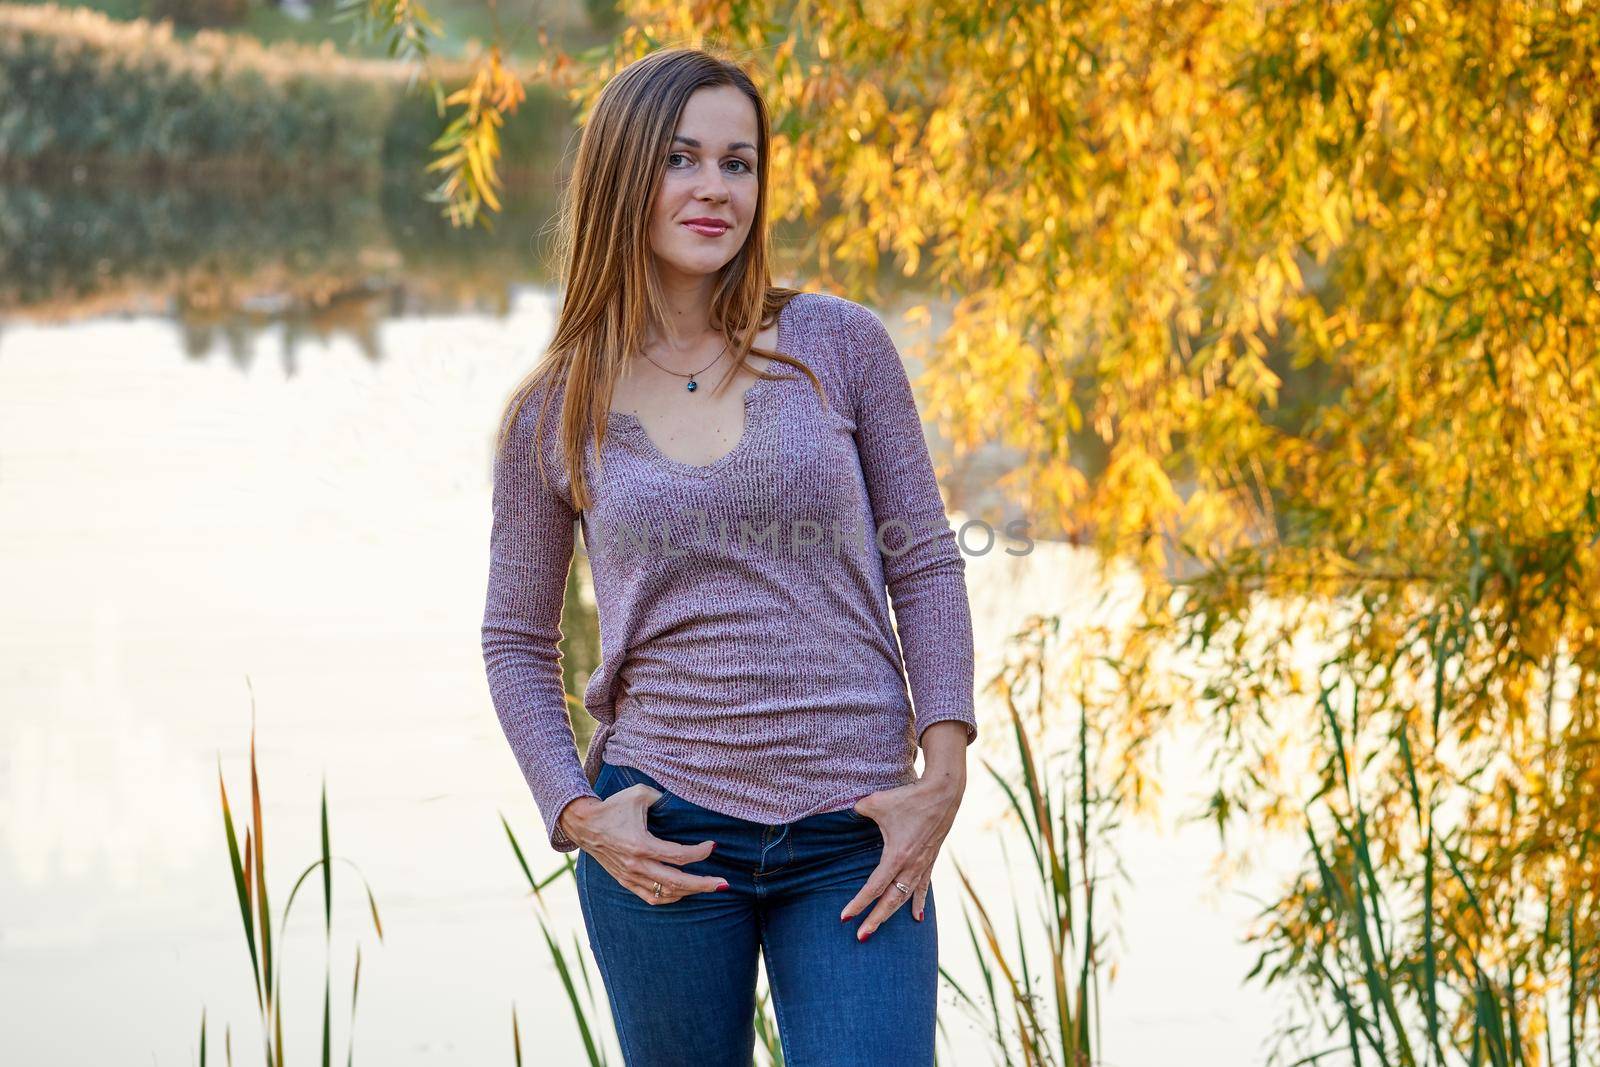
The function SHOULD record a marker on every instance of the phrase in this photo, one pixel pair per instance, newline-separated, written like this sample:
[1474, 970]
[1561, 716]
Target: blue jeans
[681, 976]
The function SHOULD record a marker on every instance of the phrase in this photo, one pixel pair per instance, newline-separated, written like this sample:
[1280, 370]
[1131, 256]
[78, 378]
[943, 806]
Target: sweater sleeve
[922, 564]
[530, 553]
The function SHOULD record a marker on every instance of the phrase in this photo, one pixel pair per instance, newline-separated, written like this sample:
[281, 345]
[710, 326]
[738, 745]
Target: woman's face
[709, 173]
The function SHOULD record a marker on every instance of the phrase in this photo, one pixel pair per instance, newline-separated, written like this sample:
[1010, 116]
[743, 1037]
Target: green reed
[249, 867]
[584, 1007]
[1048, 1011]
[1451, 890]
[1440, 955]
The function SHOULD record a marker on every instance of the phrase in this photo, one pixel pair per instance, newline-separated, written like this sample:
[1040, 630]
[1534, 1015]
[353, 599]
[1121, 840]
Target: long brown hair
[609, 288]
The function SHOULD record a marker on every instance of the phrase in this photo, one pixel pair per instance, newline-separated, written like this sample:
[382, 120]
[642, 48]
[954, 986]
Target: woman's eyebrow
[692, 143]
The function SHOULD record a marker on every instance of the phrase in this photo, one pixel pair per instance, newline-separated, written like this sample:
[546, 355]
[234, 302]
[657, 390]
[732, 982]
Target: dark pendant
[692, 386]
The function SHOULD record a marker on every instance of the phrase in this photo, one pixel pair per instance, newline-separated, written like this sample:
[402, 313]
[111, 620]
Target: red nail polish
[919, 916]
[863, 935]
[723, 886]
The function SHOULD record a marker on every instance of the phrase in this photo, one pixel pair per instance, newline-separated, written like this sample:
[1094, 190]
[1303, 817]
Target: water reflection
[304, 263]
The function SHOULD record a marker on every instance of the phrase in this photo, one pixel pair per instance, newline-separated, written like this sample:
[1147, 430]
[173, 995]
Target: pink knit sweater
[749, 662]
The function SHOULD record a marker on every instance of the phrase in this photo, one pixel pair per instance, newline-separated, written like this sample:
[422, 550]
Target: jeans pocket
[856, 815]
[633, 776]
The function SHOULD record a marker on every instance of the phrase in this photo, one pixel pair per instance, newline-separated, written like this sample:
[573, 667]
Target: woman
[751, 787]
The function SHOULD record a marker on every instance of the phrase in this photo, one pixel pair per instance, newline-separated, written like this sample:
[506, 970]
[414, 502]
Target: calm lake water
[193, 508]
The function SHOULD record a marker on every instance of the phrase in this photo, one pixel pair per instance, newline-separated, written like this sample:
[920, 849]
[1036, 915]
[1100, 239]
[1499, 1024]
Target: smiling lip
[708, 229]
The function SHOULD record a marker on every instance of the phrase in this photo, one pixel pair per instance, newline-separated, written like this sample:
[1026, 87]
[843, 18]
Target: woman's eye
[679, 155]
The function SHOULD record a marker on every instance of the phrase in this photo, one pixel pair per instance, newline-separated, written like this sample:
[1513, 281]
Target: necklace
[692, 384]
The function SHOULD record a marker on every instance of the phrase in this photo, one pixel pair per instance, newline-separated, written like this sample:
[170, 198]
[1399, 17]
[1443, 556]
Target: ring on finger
[903, 888]
[656, 889]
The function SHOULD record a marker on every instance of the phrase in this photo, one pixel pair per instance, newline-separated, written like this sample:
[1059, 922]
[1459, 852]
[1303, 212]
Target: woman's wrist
[944, 756]
[574, 817]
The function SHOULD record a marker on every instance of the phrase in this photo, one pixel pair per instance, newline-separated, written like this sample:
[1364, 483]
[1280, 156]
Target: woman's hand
[613, 832]
[914, 819]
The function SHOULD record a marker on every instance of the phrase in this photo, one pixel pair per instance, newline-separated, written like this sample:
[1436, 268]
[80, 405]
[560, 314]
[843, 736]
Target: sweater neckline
[627, 420]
